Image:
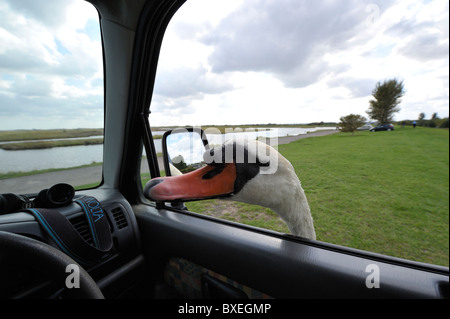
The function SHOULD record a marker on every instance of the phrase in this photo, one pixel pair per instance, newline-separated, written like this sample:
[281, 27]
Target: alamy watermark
[373, 279]
[233, 145]
[373, 14]
[73, 279]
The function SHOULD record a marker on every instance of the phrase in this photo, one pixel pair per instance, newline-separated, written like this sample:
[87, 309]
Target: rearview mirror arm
[166, 158]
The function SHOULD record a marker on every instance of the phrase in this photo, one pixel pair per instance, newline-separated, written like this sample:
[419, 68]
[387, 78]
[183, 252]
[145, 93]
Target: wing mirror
[183, 150]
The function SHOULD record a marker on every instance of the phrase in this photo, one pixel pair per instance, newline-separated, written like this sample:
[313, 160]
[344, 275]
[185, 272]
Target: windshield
[51, 95]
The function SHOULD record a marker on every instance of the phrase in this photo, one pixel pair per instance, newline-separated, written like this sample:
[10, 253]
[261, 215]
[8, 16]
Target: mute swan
[247, 171]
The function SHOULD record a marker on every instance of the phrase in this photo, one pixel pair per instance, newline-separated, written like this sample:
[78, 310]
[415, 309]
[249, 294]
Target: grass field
[385, 192]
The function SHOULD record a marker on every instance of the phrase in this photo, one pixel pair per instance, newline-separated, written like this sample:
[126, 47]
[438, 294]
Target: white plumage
[246, 171]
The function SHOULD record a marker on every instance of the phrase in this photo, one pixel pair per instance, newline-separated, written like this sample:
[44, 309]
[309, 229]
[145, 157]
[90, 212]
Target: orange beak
[203, 183]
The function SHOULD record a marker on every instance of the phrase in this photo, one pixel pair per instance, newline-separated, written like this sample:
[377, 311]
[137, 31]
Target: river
[67, 157]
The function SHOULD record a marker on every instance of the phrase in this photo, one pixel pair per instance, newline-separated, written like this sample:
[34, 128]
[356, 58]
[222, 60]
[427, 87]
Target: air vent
[82, 227]
[119, 217]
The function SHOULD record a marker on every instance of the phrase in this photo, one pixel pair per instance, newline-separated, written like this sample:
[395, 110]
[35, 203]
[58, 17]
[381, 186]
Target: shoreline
[91, 174]
[289, 139]
[36, 145]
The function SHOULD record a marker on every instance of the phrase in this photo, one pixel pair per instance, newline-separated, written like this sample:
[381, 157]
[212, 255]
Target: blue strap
[61, 242]
[98, 223]
[67, 238]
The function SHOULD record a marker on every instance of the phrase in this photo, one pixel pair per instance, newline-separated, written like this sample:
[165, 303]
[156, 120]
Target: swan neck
[297, 215]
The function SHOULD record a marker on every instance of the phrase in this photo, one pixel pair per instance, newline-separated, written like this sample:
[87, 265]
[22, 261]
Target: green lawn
[386, 192]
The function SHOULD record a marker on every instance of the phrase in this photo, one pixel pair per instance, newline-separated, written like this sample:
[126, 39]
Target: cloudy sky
[232, 61]
[50, 65]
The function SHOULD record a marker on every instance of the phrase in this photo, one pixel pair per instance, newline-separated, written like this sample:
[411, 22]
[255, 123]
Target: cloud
[51, 64]
[301, 61]
[288, 38]
[426, 47]
[189, 82]
[358, 87]
[177, 89]
[33, 47]
[46, 97]
[231, 62]
[423, 30]
[33, 9]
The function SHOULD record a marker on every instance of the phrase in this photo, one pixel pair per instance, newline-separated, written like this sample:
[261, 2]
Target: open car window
[284, 70]
[51, 96]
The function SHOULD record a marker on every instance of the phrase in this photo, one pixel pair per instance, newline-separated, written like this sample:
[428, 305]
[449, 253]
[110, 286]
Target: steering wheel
[50, 260]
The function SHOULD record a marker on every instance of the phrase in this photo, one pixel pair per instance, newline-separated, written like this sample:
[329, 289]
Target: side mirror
[183, 150]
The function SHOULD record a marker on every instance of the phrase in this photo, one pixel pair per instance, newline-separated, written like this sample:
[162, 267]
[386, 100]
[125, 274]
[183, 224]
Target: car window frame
[146, 58]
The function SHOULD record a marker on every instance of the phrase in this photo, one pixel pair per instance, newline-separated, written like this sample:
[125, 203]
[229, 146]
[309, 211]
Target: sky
[231, 62]
[51, 70]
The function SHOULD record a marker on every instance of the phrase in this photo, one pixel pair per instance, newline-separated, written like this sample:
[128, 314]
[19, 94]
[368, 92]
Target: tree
[351, 122]
[433, 121]
[387, 97]
[444, 123]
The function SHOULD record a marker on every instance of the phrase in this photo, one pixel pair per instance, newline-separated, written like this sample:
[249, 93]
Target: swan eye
[218, 168]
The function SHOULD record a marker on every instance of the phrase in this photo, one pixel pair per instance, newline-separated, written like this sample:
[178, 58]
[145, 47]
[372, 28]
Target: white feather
[278, 188]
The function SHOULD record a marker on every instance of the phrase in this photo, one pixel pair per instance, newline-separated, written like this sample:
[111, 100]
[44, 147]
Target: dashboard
[117, 273]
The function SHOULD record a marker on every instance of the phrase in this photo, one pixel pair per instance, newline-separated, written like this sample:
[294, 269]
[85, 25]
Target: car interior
[126, 245]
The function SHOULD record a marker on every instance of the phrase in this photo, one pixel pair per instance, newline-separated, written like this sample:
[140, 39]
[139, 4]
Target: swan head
[229, 169]
[242, 170]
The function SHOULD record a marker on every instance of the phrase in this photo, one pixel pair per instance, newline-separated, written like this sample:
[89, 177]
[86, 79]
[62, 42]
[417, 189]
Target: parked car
[365, 127]
[383, 127]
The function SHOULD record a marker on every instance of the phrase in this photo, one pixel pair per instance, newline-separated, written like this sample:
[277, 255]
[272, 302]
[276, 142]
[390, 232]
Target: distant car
[383, 127]
[365, 128]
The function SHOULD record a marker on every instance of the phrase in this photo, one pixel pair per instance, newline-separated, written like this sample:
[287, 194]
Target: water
[66, 157]
[250, 133]
[57, 157]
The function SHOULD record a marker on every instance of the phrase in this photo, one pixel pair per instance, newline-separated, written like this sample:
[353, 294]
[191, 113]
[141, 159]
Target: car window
[284, 72]
[51, 95]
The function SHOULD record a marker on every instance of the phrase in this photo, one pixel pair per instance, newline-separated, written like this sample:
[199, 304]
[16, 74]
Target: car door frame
[280, 265]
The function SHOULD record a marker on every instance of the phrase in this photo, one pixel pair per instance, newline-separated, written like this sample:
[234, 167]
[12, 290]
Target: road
[289, 139]
[92, 174]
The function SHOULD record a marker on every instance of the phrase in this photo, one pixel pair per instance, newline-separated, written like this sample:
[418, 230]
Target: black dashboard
[119, 268]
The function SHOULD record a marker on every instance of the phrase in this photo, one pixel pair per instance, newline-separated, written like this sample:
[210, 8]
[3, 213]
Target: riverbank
[30, 182]
[49, 144]
[42, 139]
[34, 135]
[289, 139]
